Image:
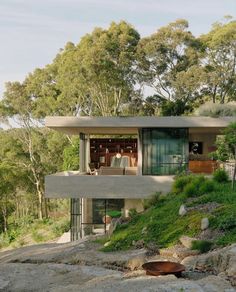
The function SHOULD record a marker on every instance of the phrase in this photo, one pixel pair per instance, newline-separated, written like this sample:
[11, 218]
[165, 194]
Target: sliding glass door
[165, 151]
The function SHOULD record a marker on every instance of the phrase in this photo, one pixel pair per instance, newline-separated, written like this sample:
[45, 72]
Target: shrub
[60, 227]
[202, 245]
[4, 240]
[207, 187]
[37, 237]
[191, 190]
[133, 213]
[216, 110]
[220, 175]
[180, 183]
[228, 223]
[195, 186]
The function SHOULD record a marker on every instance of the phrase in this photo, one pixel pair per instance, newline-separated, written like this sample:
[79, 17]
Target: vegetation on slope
[163, 224]
[28, 230]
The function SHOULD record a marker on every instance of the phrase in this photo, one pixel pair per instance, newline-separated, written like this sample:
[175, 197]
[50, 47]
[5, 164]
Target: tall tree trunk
[40, 200]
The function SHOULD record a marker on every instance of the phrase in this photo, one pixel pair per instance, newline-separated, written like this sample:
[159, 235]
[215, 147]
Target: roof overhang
[130, 125]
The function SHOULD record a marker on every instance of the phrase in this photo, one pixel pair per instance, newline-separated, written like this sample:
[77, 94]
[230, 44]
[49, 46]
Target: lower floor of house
[93, 216]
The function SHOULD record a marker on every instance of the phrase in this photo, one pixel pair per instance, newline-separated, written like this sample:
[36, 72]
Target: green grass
[28, 230]
[202, 245]
[164, 225]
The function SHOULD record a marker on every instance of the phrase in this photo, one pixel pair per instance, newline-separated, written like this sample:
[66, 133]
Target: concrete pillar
[140, 154]
[82, 151]
[136, 204]
[87, 152]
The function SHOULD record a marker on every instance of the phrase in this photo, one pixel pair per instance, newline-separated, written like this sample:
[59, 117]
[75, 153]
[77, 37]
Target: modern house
[123, 160]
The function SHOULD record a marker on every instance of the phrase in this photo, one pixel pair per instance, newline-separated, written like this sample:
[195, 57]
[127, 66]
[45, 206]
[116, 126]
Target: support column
[82, 153]
[140, 153]
[75, 222]
[76, 203]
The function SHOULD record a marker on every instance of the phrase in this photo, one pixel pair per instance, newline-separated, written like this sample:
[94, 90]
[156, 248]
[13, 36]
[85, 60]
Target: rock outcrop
[80, 266]
[220, 262]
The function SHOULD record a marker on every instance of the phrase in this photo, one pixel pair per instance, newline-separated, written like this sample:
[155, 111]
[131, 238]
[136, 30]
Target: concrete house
[126, 159]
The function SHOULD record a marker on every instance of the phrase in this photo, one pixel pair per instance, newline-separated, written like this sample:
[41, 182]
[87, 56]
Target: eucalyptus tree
[220, 62]
[34, 150]
[168, 62]
[98, 73]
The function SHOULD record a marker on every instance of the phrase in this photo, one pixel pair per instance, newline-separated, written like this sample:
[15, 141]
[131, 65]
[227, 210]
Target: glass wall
[165, 151]
[102, 207]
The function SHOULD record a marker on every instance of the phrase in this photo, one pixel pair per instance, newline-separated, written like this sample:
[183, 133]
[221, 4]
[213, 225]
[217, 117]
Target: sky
[33, 31]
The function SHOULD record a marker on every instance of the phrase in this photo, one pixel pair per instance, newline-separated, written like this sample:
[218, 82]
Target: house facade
[124, 160]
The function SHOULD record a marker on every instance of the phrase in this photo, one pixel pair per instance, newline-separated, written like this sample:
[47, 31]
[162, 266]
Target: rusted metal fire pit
[163, 268]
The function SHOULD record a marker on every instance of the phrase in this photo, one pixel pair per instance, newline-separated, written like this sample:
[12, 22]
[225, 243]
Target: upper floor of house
[139, 154]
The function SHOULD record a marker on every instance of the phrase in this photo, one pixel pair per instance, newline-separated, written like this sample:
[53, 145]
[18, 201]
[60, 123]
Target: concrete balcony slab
[75, 185]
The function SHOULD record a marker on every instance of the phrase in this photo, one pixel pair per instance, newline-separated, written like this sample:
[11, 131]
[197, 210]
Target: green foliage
[152, 201]
[165, 226]
[215, 110]
[219, 56]
[28, 230]
[168, 62]
[133, 213]
[227, 147]
[192, 185]
[71, 155]
[202, 245]
[180, 183]
[4, 240]
[58, 228]
[114, 213]
[227, 222]
[37, 237]
[207, 187]
[220, 175]
[227, 238]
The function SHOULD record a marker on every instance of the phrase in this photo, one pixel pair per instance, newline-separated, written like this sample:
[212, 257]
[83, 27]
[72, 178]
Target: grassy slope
[29, 231]
[164, 226]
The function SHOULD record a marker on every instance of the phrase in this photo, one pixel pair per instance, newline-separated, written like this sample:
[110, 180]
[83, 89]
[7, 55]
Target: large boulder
[178, 252]
[221, 261]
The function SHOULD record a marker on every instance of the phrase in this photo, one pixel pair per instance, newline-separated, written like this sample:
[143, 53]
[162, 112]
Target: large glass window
[102, 207]
[165, 151]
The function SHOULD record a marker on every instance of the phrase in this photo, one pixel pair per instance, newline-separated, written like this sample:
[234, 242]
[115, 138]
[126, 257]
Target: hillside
[28, 231]
[162, 225]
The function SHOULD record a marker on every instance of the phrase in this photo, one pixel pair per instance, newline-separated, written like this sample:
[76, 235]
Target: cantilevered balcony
[77, 185]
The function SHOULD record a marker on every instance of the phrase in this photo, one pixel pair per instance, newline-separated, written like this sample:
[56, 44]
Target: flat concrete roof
[130, 125]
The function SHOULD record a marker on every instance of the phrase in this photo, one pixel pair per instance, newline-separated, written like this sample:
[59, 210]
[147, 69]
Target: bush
[194, 185]
[191, 189]
[202, 245]
[4, 240]
[207, 187]
[220, 175]
[180, 183]
[37, 237]
[60, 227]
[228, 223]
[216, 109]
[133, 213]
